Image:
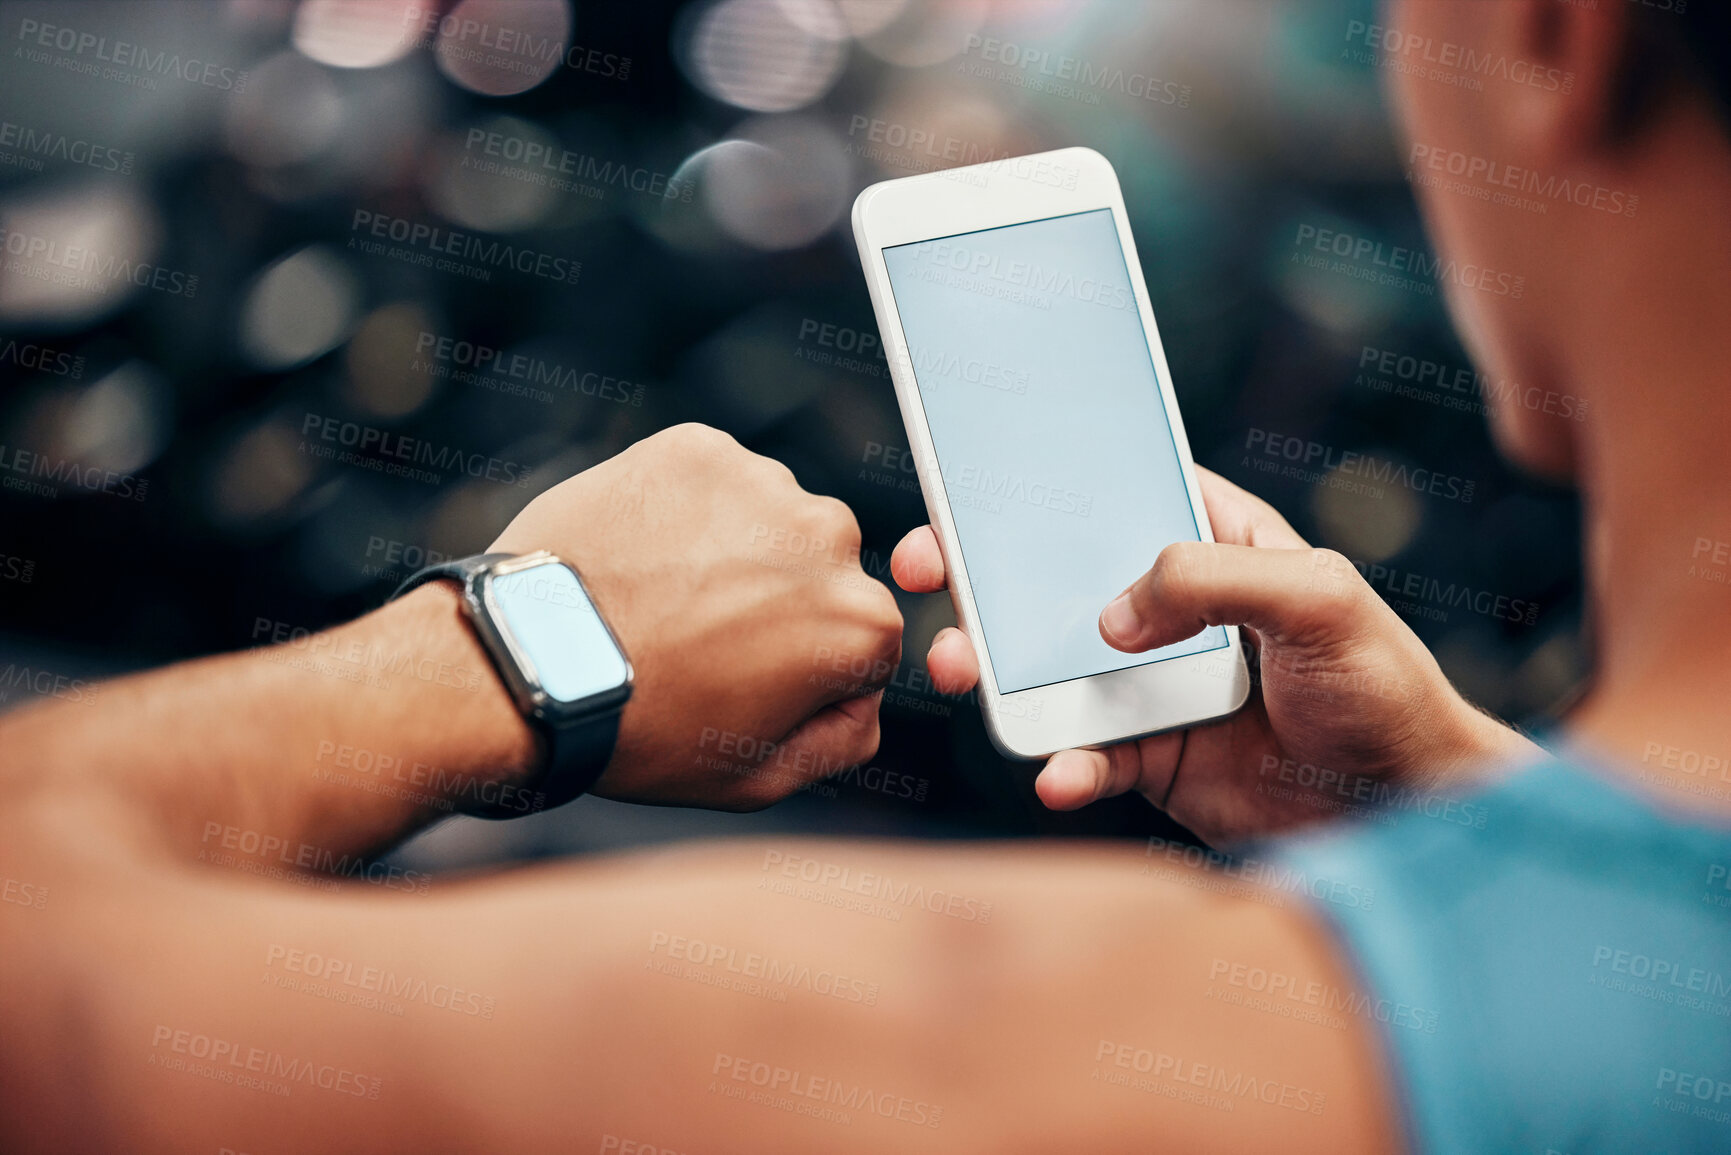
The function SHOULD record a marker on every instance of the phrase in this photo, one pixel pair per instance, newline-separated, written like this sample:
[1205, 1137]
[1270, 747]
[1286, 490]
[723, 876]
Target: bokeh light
[499, 194]
[289, 112]
[1366, 521]
[299, 308]
[782, 183]
[503, 47]
[751, 54]
[73, 254]
[388, 374]
[930, 33]
[356, 33]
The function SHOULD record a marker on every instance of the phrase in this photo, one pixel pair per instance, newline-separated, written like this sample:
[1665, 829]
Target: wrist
[1485, 747]
[451, 698]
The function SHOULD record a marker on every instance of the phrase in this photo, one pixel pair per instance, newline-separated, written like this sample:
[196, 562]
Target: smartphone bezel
[1101, 709]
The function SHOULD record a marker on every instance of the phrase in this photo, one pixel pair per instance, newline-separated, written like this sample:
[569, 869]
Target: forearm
[711, 1000]
[327, 745]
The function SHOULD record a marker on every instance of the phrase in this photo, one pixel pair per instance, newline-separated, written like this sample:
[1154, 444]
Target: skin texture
[172, 833]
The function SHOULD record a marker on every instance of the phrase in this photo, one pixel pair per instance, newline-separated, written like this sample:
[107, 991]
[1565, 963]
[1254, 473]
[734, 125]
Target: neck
[1652, 359]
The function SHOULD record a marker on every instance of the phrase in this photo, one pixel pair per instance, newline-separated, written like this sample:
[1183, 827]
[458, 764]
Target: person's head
[1565, 143]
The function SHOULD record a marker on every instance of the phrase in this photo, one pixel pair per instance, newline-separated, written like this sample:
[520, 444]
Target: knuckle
[1338, 580]
[693, 439]
[863, 738]
[1179, 569]
[832, 514]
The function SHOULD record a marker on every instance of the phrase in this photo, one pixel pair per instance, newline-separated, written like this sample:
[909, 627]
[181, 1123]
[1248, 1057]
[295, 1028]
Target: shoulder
[1549, 963]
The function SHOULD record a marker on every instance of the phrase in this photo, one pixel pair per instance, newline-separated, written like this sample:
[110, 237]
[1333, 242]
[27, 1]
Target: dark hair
[1679, 40]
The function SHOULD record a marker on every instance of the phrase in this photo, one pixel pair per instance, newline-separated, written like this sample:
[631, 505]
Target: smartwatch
[559, 658]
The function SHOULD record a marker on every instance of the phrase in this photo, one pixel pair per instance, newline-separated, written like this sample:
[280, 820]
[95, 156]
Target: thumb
[1283, 594]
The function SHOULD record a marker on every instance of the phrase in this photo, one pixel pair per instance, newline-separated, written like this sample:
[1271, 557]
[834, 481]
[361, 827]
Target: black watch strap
[573, 757]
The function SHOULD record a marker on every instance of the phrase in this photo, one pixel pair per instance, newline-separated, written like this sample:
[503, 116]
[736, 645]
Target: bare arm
[702, 1000]
[158, 994]
[328, 746]
[324, 747]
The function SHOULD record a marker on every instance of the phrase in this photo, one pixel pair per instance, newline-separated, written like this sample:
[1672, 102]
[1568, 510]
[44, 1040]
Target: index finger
[1239, 517]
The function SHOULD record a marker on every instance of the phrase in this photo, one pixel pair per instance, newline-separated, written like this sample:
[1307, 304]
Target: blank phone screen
[1060, 466]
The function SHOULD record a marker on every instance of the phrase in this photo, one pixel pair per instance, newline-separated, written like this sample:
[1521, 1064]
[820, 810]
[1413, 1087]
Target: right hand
[1347, 692]
[757, 639]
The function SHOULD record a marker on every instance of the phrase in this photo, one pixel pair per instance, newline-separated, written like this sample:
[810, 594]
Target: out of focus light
[356, 33]
[1365, 526]
[928, 33]
[74, 255]
[121, 422]
[288, 113]
[299, 308]
[258, 474]
[1345, 305]
[503, 47]
[835, 19]
[781, 185]
[497, 201]
[388, 375]
[751, 54]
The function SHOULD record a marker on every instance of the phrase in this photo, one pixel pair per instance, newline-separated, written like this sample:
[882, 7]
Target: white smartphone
[1046, 436]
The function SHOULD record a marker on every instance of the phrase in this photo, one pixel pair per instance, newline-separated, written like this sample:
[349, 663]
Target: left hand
[738, 597]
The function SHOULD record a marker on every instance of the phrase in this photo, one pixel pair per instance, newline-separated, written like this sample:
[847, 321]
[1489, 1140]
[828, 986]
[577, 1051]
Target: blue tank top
[1548, 963]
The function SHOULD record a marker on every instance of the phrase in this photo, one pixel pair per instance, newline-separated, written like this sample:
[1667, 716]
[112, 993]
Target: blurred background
[530, 232]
